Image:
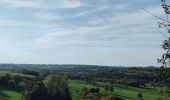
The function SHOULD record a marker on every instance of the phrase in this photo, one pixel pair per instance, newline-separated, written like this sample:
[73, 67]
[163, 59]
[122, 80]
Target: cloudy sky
[98, 32]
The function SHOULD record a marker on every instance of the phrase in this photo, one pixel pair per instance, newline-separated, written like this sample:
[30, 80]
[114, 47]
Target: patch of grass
[129, 93]
[9, 94]
[2, 73]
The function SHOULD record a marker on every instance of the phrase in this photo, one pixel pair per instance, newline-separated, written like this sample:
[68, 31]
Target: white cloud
[98, 33]
[79, 35]
[49, 16]
[13, 23]
[69, 4]
[42, 4]
[66, 36]
[25, 4]
[46, 16]
[92, 9]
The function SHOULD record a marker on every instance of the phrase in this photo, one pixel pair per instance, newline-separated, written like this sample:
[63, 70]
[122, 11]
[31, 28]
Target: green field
[129, 93]
[75, 87]
[9, 94]
[2, 73]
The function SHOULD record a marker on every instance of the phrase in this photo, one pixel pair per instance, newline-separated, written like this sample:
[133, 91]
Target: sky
[91, 32]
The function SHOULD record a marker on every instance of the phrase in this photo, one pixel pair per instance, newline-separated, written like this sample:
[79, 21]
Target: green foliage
[28, 72]
[92, 90]
[52, 88]
[97, 90]
[55, 84]
[140, 96]
[106, 88]
[111, 88]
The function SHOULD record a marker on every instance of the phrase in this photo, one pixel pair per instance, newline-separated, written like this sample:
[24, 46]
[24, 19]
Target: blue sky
[98, 32]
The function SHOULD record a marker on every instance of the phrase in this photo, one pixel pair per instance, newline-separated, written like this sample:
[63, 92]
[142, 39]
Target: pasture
[129, 93]
[9, 94]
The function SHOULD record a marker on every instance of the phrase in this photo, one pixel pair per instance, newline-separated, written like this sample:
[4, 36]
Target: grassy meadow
[9, 94]
[2, 73]
[129, 93]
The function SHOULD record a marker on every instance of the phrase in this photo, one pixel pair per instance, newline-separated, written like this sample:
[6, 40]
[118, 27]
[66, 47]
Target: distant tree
[94, 82]
[26, 86]
[97, 90]
[106, 87]
[52, 88]
[45, 73]
[90, 80]
[85, 91]
[4, 80]
[28, 72]
[92, 90]
[140, 96]
[57, 87]
[111, 88]
[12, 83]
[161, 92]
[111, 81]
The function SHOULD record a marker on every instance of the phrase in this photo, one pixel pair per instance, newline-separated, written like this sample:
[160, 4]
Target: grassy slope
[2, 73]
[7, 93]
[129, 93]
[76, 87]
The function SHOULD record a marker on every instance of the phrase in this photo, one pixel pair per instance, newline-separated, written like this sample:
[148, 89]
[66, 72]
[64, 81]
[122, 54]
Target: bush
[97, 90]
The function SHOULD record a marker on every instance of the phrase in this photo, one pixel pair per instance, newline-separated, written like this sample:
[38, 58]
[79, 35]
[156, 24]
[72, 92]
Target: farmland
[75, 87]
[129, 93]
[127, 82]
